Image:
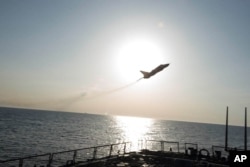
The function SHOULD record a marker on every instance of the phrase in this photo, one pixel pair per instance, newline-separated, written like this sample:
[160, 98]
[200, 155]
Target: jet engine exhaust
[115, 90]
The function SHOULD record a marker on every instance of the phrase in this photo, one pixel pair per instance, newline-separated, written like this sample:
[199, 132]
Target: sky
[86, 56]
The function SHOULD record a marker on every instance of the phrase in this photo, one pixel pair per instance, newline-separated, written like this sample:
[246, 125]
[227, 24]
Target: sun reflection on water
[134, 129]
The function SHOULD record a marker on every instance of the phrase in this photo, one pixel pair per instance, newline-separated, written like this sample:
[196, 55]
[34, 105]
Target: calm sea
[27, 132]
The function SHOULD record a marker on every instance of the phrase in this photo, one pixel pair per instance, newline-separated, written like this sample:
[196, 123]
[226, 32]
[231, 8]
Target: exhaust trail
[114, 90]
[67, 102]
[123, 87]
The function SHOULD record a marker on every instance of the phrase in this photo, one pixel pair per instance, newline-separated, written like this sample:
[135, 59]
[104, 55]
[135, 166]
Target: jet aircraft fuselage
[154, 71]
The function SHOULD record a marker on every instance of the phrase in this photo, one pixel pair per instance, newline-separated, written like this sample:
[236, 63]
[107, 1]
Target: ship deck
[152, 153]
[147, 158]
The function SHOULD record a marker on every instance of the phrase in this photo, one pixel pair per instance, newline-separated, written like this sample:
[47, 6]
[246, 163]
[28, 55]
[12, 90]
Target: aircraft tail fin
[145, 74]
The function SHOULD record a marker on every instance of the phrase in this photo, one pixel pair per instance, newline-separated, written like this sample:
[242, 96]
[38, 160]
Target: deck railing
[161, 145]
[191, 149]
[84, 155]
[69, 157]
[43, 159]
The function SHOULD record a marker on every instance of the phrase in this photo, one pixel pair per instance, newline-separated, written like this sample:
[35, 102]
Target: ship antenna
[226, 135]
[245, 139]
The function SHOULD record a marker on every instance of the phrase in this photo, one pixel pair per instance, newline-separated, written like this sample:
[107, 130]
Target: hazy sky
[80, 55]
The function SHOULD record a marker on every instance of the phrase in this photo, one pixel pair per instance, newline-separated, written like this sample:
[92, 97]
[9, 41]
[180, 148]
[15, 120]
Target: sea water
[26, 132]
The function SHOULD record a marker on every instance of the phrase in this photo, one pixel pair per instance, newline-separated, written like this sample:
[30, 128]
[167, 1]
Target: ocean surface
[28, 132]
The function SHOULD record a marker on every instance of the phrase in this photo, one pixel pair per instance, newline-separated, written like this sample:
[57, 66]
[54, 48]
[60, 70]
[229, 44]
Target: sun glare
[134, 129]
[136, 55]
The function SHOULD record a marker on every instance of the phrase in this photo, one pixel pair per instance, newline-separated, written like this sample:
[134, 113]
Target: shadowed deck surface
[154, 159]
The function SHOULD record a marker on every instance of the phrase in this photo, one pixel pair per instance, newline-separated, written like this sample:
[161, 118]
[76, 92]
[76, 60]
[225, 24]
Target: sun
[135, 55]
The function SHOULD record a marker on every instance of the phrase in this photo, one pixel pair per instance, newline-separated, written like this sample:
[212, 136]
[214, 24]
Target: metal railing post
[213, 151]
[50, 160]
[178, 147]
[21, 163]
[124, 149]
[110, 150]
[74, 156]
[162, 145]
[94, 153]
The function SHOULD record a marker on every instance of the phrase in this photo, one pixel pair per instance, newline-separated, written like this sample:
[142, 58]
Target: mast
[245, 137]
[226, 135]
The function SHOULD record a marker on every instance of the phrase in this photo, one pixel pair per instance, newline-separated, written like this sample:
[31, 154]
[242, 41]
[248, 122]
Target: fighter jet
[154, 71]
